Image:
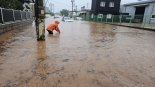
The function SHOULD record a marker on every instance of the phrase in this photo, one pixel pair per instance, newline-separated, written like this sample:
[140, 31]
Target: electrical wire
[46, 2]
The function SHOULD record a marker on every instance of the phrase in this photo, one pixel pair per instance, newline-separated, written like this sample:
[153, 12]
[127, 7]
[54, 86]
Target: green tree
[11, 4]
[64, 12]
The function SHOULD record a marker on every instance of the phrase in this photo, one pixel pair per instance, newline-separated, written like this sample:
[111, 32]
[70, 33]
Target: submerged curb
[148, 29]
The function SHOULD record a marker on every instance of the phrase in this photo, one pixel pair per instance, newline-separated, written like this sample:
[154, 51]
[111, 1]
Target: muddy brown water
[85, 54]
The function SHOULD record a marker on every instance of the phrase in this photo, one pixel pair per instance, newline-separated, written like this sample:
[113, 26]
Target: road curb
[148, 29]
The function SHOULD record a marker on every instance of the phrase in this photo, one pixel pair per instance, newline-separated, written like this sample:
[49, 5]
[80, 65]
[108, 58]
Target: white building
[145, 10]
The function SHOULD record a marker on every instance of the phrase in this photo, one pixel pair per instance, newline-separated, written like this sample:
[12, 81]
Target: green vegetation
[64, 12]
[11, 4]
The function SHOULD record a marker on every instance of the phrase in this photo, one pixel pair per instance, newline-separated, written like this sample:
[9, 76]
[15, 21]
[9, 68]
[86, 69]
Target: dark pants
[50, 32]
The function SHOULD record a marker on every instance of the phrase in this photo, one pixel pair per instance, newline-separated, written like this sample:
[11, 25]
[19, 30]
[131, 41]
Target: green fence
[126, 20]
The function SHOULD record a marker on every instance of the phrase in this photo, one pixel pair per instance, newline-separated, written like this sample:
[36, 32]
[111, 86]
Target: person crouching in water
[53, 26]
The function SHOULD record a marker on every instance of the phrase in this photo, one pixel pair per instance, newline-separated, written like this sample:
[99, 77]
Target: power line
[46, 2]
[61, 2]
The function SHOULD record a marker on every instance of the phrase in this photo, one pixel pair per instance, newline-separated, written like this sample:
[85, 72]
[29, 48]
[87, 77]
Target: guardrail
[10, 19]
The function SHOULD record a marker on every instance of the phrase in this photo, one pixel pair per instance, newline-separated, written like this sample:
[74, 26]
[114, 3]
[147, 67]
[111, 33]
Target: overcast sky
[66, 4]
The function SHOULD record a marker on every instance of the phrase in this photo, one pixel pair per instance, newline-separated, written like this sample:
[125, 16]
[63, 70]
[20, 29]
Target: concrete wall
[16, 25]
[131, 10]
[148, 13]
[128, 9]
[152, 20]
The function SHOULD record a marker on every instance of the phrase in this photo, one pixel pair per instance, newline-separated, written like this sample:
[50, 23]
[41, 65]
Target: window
[111, 4]
[100, 15]
[109, 16]
[102, 4]
[153, 16]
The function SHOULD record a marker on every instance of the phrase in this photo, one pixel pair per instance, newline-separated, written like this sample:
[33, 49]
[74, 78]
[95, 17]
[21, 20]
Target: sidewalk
[150, 27]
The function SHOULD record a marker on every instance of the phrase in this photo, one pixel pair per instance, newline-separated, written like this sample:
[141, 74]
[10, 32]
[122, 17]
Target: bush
[11, 4]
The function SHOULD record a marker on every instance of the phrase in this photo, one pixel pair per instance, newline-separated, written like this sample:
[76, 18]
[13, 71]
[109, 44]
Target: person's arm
[58, 30]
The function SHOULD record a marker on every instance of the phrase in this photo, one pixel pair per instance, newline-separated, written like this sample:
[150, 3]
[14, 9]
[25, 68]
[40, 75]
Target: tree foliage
[64, 12]
[11, 4]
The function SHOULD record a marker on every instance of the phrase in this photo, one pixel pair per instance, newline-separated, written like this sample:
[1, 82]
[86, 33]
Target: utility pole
[76, 10]
[72, 1]
[53, 10]
[40, 23]
[87, 5]
[52, 7]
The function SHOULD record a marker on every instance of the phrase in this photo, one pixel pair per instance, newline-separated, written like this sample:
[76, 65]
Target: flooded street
[85, 54]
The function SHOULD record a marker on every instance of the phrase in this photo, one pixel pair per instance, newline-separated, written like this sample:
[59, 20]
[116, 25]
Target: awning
[139, 5]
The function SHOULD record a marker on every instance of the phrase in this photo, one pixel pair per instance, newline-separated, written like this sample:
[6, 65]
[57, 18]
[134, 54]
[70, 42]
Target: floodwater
[85, 54]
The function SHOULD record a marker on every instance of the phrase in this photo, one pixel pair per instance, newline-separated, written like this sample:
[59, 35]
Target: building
[73, 13]
[84, 12]
[144, 11]
[105, 7]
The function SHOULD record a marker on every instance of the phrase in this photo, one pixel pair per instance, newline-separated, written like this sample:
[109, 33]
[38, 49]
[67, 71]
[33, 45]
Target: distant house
[73, 13]
[84, 12]
[105, 7]
[142, 10]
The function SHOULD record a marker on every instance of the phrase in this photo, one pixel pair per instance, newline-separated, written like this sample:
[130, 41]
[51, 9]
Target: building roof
[140, 2]
[86, 10]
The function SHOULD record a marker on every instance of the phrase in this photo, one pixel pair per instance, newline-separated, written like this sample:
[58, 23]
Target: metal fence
[17, 15]
[24, 15]
[13, 19]
[10, 15]
[139, 21]
[1, 20]
[7, 15]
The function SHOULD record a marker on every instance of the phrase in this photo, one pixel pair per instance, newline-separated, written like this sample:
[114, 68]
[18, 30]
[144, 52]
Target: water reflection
[55, 35]
[101, 35]
[41, 50]
[41, 68]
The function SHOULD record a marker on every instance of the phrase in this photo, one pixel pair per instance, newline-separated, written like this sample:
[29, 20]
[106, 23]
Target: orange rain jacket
[52, 27]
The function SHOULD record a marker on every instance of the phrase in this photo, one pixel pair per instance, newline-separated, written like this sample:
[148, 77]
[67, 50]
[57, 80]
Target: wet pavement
[85, 54]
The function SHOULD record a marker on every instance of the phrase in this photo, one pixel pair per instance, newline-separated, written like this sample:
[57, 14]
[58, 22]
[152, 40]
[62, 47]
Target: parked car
[56, 16]
[67, 19]
[78, 18]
